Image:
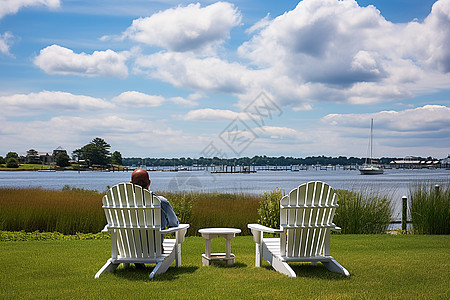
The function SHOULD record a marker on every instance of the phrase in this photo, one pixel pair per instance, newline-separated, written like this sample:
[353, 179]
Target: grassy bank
[76, 210]
[381, 267]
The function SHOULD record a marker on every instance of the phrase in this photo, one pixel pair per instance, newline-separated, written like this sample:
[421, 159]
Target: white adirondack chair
[306, 218]
[134, 221]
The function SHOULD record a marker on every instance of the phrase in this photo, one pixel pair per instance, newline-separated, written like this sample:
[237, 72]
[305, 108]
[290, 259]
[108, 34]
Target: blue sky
[226, 79]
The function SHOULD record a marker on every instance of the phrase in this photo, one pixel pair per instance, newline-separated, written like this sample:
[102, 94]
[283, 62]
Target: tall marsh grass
[67, 211]
[366, 211]
[430, 208]
[214, 209]
[76, 210]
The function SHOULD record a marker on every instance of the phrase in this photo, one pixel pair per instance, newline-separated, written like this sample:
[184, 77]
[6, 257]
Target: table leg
[208, 248]
[228, 253]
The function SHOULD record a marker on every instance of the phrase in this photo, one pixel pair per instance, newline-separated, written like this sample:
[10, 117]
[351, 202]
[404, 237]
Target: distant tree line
[97, 153]
[255, 161]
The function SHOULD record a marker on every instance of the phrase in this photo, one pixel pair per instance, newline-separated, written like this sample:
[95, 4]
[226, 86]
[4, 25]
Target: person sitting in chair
[168, 217]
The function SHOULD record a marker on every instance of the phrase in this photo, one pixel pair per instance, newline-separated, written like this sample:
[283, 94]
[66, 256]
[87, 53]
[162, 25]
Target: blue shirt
[168, 216]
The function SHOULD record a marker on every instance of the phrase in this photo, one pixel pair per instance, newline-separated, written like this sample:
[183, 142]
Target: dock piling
[404, 212]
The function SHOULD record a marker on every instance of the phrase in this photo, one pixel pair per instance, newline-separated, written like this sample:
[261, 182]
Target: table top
[219, 230]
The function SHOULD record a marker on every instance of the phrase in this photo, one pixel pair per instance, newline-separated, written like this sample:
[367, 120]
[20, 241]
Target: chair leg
[334, 266]
[282, 267]
[258, 255]
[155, 270]
[108, 267]
[163, 266]
[178, 255]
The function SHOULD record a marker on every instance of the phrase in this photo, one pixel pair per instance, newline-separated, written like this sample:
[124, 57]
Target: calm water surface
[395, 182]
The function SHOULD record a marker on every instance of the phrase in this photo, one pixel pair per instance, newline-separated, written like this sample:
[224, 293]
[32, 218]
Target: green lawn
[381, 266]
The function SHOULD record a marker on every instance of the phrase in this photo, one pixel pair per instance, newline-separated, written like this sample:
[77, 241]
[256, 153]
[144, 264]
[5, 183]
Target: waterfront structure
[412, 162]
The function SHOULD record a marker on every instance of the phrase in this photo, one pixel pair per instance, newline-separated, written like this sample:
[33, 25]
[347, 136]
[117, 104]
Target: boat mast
[371, 136]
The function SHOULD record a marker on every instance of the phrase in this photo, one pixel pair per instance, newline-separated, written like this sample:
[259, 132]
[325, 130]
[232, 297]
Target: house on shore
[42, 157]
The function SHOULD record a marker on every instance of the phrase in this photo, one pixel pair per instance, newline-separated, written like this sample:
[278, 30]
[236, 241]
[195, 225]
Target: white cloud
[186, 28]
[137, 99]
[187, 71]
[420, 131]
[338, 51]
[132, 137]
[428, 118]
[209, 114]
[190, 101]
[428, 42]
[59, 60]
[264, 22]
[275, 132]
[5, 42]
[13, 6]
[51, 101]
[322, 51]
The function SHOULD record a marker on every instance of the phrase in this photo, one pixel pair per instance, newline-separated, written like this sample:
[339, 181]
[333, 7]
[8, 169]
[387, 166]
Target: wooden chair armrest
[336, 228]
[262, 228]
[175, 229]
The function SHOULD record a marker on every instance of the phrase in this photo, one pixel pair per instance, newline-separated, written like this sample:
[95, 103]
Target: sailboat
[369, 168]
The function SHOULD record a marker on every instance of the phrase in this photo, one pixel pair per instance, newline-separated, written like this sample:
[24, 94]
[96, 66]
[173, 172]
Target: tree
[12, 162]
[62, 159]
[95, 153]
[12, 155]
[2, 160]
[92, 155]
[116, 158]
[77, 154]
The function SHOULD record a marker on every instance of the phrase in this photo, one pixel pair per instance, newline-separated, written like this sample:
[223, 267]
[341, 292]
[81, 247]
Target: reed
[366, 211]
[430, 208]
[77, 210]
[67, 211]
[215, 209]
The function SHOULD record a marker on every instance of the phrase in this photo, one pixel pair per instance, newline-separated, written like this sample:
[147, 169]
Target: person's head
[141, 178]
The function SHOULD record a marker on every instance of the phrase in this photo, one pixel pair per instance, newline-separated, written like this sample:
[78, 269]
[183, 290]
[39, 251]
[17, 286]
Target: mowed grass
[381, 267]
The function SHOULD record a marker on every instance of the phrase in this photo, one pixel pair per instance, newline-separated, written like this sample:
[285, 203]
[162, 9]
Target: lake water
[393, 181]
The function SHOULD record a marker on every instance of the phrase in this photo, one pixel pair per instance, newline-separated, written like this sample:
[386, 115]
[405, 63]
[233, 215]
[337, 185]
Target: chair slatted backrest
[306, 215]
[134, 214]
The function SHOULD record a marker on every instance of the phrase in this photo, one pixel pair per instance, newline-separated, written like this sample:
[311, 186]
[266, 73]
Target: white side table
[209, 234]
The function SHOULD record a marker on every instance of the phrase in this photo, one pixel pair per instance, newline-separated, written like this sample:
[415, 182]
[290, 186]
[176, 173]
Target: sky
[226, 79]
